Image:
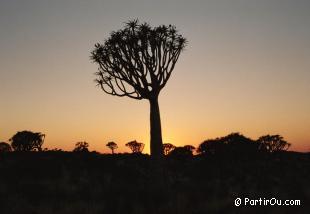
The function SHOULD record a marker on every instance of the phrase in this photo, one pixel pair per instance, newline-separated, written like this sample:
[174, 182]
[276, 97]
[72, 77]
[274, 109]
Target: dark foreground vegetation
[87, 183]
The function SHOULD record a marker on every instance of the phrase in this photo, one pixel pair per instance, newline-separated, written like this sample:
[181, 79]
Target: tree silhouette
[137, 62]
[81, 147]
[27, 141]
[168, 147]
[273, 143]
[5, 147]
[112, 145]
[234, 144]
[135, 146]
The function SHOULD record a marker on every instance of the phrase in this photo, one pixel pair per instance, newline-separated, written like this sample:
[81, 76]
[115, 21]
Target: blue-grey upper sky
[246, 68]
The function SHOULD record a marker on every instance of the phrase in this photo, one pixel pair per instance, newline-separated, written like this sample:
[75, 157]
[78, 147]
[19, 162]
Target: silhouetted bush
[52, 150]
[27, 141]
[5, 147]
[232, 145]
[168, 147]
[190, 148]
[182, 152]
[81, 147]
[211, 147]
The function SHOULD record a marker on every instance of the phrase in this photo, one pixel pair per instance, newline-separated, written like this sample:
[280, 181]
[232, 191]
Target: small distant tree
[168, 147]
[273, 143]
[27, 141]
[5, 147]
[112, 145]
[135, 146]
[81, 147]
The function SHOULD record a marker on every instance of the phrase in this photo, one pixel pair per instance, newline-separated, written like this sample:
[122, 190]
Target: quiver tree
[135, 146]
[27, 141]
[137, 62]
[112, 145]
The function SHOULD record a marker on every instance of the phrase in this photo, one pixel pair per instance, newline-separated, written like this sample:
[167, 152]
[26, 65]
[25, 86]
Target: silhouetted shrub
[233, 144]
[272, 143]
[112, 145]
[27, 141]
[135, 146]
[239, 144]
[52, 150]
[190, 148]
[182, 152]
[5, 147]
[210, 147]
[168, 147]
[81, 147]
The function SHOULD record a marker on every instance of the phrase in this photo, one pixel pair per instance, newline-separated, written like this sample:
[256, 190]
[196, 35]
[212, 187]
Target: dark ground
[89, 183]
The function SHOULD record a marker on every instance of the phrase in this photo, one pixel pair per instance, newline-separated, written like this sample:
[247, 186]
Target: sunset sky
[246, 69]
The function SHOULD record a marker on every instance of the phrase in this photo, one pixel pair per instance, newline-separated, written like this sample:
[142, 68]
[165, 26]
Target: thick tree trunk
[156, 138]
